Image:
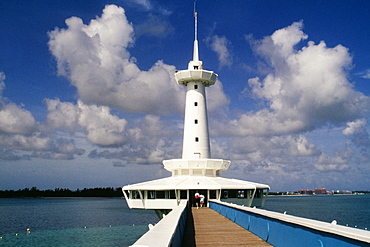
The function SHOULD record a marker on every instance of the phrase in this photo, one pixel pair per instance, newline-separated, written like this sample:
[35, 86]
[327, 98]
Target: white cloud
[152, 141]
[356, 131]
[270, 148]
[365, 74]
[216, 98]
[307, 89]
[150, 6]
[354, 127]
[145, 4]
[2, 86]
[62, 115]
[28, 143]
[149, 141]
[326, 163]
[21, 137]
[286, 38]
[62, 149]
[304, 90]
[37, 145]
[95, 59]
[221, 45]
[302, 147]
[102, 128]
[14, 119]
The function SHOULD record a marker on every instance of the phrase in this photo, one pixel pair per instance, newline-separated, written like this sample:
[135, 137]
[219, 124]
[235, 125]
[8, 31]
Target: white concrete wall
[193, 149]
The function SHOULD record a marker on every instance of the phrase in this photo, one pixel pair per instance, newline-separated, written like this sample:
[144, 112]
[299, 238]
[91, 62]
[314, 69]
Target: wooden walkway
[206, 227]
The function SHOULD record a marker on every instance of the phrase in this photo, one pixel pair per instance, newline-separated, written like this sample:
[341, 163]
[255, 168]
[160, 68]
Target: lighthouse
[196, 137]
[196, 153]
[195, 170]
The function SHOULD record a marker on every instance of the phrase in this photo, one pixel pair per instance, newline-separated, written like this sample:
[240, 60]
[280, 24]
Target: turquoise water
[109, 222]
[71, 222]
[95, 236]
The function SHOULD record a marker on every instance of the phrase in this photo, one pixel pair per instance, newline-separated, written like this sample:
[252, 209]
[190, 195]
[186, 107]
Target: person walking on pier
[201, 200]
[197, 199]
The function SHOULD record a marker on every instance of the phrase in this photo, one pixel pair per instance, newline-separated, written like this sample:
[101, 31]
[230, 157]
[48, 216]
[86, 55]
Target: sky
[88, 96]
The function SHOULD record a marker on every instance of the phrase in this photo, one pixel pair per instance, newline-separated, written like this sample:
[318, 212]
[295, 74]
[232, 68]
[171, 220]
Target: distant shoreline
[353, 194]
[62, 193]
[114, 193]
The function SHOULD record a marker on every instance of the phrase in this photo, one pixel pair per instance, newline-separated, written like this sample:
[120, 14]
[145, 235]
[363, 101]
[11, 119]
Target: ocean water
[347, 210]
[109, 222]
[71, 222]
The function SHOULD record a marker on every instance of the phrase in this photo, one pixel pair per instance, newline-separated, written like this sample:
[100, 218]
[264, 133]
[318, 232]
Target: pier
[225, 224]
[206, 227]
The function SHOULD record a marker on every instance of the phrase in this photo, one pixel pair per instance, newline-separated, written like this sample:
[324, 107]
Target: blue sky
[88, 97]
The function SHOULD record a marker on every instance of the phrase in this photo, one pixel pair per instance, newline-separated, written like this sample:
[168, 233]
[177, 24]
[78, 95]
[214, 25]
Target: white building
[196, 170]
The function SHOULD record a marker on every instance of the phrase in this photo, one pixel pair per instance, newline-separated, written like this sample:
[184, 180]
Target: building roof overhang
[195, 182]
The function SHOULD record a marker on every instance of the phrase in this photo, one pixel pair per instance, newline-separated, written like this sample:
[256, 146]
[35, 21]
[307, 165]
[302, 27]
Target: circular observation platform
[208, 78]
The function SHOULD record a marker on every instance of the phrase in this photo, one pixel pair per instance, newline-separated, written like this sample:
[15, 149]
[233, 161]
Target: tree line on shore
[62, 192]
[87, 192]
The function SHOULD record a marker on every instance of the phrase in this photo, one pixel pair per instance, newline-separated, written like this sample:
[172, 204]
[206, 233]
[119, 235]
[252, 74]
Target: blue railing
[285, 230]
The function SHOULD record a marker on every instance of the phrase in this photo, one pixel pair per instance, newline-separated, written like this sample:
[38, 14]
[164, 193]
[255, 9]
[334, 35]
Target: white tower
[196, 138]
[196, 154]
[196, 170]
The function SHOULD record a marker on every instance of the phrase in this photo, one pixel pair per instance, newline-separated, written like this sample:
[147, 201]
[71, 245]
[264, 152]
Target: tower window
[195, 103]
[195, 86]
[196, 139]
[195, 67]
[196, 121]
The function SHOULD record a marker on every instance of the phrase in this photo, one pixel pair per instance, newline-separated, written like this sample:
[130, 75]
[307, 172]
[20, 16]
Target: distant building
[343, 192]
[323, 191]
[320, 191]
[305, 192]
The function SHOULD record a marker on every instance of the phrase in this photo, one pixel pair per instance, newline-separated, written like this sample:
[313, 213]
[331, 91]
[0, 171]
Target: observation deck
[208, 78]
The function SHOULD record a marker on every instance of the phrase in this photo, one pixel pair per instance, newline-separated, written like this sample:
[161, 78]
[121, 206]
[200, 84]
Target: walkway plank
[206, 227]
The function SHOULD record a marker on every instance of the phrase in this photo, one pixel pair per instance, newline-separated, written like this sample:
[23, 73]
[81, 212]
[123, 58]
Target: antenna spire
[195, 20]
[195, 52]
